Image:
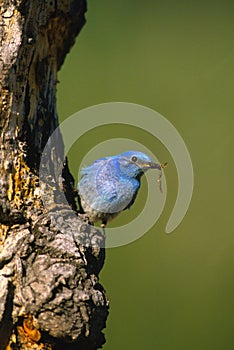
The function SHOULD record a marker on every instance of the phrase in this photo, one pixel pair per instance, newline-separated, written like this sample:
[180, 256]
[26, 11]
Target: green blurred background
[174, 291]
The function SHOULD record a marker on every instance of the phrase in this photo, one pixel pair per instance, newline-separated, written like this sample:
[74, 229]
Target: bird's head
[134, 163]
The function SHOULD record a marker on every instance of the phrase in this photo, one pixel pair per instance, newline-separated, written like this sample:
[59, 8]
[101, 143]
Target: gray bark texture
[50, 295]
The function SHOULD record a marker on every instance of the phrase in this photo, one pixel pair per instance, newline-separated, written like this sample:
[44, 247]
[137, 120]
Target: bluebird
[110, 185]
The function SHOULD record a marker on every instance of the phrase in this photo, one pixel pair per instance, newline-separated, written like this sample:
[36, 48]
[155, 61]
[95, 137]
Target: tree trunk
[50, 297]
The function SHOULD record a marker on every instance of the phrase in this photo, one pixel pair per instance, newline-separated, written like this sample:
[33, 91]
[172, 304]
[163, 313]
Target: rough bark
[50, 296]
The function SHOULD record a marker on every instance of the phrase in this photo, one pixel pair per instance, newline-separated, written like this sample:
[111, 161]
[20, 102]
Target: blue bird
[110, 185]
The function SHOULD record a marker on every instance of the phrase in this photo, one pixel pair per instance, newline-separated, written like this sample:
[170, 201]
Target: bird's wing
[106, 180]
[103, 174]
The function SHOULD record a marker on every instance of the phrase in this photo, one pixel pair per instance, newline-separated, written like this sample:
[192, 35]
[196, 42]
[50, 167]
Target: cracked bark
[50, 296]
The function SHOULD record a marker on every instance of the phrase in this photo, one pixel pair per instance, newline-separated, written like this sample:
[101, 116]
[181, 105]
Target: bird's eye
[134, 159]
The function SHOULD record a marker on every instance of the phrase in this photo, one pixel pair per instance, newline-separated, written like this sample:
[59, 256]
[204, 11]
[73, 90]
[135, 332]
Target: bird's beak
[151, 165]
